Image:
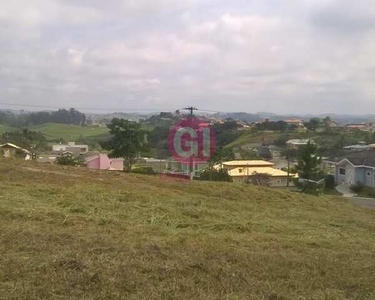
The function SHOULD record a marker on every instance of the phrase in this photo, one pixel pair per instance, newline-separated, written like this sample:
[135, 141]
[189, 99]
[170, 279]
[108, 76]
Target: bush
[330, 181]
[368, 192]
[357, 188]
[147, 170]
[211, 174]
[259, 179]
[68, 159]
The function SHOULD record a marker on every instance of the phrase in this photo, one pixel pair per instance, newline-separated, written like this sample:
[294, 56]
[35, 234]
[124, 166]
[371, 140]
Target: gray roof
[359, 158]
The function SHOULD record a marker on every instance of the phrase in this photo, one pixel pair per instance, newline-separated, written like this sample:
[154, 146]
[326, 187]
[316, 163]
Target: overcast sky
[291, 56]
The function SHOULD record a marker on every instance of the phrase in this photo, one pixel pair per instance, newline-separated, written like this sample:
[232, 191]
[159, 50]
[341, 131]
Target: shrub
[259, 179]
[211, 174]
[330, 181]
[147, 170]
[357, 188]
[68, 159]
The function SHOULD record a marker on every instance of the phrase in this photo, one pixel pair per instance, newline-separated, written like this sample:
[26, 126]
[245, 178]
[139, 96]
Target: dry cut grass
[68, 233]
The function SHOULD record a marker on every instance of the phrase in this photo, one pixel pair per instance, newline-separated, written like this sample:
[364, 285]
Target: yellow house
[241, 170]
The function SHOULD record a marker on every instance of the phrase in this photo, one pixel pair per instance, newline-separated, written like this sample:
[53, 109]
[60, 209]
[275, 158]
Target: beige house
[71, 147]
[294, 121]
[10, 150]
[241, 170]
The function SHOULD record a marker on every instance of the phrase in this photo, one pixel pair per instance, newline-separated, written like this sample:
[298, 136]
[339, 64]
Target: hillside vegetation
[70, 233]
[4, 129]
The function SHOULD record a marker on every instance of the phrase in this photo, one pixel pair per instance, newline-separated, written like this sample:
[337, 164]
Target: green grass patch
[55, 131]
[71, 233]
[4, 129]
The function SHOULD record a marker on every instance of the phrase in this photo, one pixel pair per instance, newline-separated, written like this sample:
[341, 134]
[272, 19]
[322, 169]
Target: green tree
[309, 162]
[212, 174]
[221, 155]
[314, 124]
[327, 123]
[259, 179]
[127, 141]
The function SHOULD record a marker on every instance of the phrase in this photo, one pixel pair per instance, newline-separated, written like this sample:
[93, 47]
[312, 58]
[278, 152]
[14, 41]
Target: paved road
[364, 202]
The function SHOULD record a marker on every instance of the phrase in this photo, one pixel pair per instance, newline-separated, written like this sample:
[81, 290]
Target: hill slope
[78, 234]
[54, 131]
[4, 129]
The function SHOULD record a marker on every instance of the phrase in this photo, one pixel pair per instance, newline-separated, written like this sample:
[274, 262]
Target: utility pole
[288, 158]
[191, 109]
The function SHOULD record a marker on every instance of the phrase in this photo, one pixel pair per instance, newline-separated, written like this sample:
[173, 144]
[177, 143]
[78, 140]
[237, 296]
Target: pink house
[103, 162]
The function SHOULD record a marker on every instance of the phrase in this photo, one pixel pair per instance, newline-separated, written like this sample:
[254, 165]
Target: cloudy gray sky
[291, 56]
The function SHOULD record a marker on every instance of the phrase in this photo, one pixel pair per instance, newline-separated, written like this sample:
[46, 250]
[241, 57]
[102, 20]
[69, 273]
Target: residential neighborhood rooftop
[248, 171]
[359, 158]
[248, 163]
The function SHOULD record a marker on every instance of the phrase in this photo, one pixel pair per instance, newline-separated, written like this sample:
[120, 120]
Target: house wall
[368, 177]
[359, 175]
[94, 164]
[117, 164]
[105, 162]
[9, 152]
[350, 175]
[274, 181]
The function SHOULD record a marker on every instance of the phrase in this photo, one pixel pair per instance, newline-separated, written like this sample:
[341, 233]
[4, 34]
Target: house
[294, 122]
[71, 147]
[354, 168]
[47, 158]
[9, 150]
[358, 147]
[241, 170]
[361, 126]
[103, 162]
[297, 143]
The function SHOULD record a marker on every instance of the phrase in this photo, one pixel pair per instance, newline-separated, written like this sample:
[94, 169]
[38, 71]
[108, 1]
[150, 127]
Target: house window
[240, 170]
[342, 171]
[368, 174]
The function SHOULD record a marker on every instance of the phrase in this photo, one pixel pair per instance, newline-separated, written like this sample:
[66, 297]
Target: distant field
[70, 233]
[4, 129]
[55, 131]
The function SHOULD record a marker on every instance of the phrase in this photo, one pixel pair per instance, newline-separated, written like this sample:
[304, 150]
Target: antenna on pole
[191, 109]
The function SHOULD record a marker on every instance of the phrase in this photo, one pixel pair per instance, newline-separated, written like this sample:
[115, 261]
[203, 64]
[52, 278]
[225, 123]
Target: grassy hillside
[69, 233]
[55, 131]
[4, 129]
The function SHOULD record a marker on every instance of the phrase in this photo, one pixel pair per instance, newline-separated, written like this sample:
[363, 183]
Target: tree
[127, 141]
[260, 179]
[314, 124]
[327, 123]
[212, 174]
[309, 162]
[221, 155]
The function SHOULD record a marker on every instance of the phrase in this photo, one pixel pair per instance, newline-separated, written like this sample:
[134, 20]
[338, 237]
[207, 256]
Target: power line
[86, 108]
[102, 108]
[191, 109]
